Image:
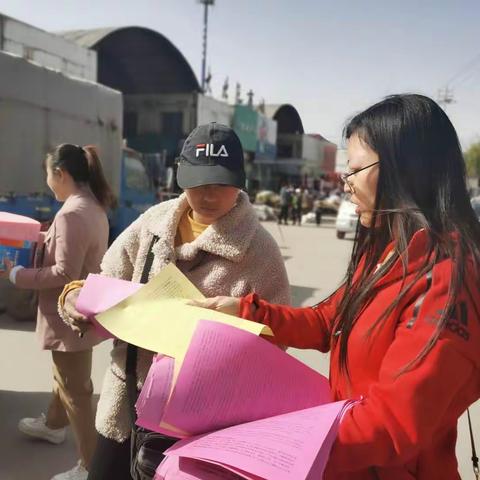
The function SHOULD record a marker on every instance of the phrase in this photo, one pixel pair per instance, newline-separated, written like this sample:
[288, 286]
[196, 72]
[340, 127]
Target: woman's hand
[5, 273]
[78, 322]
[229, 305]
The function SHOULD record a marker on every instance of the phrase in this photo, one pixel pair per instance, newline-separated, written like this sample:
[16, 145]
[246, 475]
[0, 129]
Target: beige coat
[235, 256]
[73, 247]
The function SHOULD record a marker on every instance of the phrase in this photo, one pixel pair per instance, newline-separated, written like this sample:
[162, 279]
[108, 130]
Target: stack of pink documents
[242, 407]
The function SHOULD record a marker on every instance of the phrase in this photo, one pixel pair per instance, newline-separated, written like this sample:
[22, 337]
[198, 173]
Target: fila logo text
[209, 149]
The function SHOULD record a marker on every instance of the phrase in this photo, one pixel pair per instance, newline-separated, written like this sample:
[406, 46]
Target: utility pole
[445, 97]
[250, 98]
[206, 4]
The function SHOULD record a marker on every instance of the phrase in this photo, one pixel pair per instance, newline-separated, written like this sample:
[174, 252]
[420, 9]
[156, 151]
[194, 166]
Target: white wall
[312, 149]
[150, 108]
[341, 162]
[47, 49]
[41, 108]
[210, 109]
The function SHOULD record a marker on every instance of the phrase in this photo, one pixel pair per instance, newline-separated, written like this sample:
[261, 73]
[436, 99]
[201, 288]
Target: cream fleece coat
[234, 256]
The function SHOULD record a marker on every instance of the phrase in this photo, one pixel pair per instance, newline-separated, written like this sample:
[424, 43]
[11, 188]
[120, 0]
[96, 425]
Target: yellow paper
[169, 283]
[165, 325]
[157, 318]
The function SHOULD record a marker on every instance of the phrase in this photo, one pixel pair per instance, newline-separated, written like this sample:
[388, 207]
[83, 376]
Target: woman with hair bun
[73, 247]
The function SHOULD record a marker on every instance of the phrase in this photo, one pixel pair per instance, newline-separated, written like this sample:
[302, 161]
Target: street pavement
[315, 261]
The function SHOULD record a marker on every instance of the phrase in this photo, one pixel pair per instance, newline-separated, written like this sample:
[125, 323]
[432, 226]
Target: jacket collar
[83, 192]
[414, 257]
[229, 237]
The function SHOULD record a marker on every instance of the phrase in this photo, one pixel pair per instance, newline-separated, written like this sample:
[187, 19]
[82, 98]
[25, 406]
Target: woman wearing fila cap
[404, 328]
[212, 234]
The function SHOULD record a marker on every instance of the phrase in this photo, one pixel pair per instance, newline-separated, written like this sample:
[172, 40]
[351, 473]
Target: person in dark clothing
[285, 201]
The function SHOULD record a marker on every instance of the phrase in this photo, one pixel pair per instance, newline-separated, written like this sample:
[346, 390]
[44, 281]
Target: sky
[329, 59]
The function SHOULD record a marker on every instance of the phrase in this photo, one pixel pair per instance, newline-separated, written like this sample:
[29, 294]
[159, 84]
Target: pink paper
[230, 376]
[237, 471]
[293, 446]
[154, 394]
[177, 468]
[99, 293]
[18, 227]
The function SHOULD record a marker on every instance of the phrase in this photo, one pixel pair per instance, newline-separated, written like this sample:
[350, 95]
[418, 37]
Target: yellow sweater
[188, 229]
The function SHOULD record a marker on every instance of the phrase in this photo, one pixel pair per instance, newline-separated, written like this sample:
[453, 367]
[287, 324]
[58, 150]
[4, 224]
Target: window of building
[130, 124]
[172, 124]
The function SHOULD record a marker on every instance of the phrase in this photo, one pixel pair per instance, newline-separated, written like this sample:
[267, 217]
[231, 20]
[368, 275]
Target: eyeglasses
[344, 176]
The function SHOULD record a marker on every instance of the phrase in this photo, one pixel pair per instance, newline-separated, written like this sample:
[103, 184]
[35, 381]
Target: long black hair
[84, 166]
[421, 185]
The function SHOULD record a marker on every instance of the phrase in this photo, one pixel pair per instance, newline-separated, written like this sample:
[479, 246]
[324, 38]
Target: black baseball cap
[211, 154]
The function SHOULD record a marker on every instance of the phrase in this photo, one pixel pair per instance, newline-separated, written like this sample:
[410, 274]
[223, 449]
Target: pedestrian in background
[285, 202]
[72, 248]
[296, 203]
[317, 208]
[299, 205]
[307, 201]
[403, 330]
[212, 234]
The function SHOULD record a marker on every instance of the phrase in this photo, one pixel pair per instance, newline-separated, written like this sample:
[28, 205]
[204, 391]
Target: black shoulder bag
[146, 447]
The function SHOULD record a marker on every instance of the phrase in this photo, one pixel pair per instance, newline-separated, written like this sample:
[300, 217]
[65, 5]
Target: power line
[446, 95]
[464, 69]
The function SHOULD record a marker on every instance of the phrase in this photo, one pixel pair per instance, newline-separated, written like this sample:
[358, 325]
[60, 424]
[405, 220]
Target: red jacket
[406, 426]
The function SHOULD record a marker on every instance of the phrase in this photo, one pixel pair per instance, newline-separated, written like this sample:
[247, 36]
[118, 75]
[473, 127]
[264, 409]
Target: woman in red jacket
[403, 329]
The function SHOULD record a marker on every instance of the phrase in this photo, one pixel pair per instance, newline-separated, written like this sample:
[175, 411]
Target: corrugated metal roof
[137, 60]
[88, 38]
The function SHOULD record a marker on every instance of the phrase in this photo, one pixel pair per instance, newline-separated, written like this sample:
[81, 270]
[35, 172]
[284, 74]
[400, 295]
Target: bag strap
[131, 362]
[476, 470]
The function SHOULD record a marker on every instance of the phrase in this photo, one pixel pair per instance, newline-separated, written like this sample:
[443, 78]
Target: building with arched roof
[301, 159]
[159, 86]
[289, 129]
[137, 60]
[287, 118]
[163, 102]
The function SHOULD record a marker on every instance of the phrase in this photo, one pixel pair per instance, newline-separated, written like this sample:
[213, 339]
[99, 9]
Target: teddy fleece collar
[229, 237]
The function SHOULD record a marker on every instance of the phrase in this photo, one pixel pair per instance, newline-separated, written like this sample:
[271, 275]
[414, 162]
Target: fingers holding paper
[78, 322]
[228, 305]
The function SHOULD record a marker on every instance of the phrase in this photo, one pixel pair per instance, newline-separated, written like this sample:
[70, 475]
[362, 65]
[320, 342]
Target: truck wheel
[340, 235]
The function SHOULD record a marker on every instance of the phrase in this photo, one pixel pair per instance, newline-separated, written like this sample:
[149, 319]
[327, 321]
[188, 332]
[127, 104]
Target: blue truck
[135, 195]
